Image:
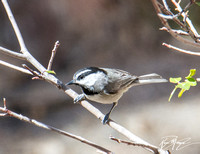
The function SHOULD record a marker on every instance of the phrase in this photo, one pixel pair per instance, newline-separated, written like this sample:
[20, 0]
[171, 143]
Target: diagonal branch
[15, 67]
[24, 50]
[181, 50]
[53, 80]
[113, 124]
[8, 112]
[15, 26]
[12, 53]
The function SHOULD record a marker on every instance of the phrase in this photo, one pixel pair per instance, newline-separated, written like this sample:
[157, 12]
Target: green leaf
[175, 80]
[192, 81]
[181, 93]
[51, 72]
[198, 3]
[192, 73]
[184, 85]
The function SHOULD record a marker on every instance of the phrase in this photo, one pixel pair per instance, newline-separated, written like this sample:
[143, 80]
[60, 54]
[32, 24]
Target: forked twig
[191, 30]
[34, 73]
[12, 53]
[186, 26]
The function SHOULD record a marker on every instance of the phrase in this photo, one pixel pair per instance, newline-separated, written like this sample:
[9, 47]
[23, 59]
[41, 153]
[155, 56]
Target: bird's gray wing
[118, 79]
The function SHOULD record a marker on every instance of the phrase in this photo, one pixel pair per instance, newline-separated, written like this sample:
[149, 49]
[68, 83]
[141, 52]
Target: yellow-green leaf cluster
[185, 85]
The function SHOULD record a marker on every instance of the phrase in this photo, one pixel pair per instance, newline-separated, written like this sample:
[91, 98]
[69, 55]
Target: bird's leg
[106, 118]
[79, 98]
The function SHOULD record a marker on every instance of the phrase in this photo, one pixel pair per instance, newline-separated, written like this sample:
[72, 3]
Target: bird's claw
[79, 98]
[105, 119]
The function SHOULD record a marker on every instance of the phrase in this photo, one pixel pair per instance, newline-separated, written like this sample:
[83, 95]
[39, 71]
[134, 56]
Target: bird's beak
[70, 82]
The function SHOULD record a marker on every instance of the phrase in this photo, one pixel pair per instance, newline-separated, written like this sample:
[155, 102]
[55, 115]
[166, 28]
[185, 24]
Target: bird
[107, 85]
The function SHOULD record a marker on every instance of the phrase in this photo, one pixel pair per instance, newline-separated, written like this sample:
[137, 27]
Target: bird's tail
[151, 78]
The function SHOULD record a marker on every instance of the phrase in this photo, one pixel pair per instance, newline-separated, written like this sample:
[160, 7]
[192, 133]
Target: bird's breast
[105, 98]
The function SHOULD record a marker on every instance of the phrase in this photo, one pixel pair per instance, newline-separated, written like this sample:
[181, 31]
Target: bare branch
[3, 114]
[24, 50]
[165, 4]
[192, 30]
[42, 125]
[155, 150]
[53, 53]
[4, 103]
[166, 13]
[111, 123]
[181, 50]
[32, 71]
[15, 67]
[4, 106]
[15, 26]
[12, 53]
[198, 79]
[179, 32]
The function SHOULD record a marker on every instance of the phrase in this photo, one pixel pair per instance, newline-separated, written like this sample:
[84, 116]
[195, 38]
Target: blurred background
[116, 34]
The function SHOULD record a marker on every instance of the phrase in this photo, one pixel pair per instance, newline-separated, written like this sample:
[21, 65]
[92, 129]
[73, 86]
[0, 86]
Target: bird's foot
[106, 118]
[79, 98]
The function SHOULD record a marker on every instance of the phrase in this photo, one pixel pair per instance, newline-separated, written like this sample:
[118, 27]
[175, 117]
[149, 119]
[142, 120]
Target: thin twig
[4, 107]
[180, 32]
[181, 50]
[42, 125]
[4, 103]
[198, 79]
[158, 7]
[192, 31]
[155, 150]
[12, 53]
[165, 4]
[169, 15]
[189, 29]
[15, 26]
[15, 67]
[53, 53]
[24, 50]
[32, 71]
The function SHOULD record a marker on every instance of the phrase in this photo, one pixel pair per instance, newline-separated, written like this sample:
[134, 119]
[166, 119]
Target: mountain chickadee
[107, 85]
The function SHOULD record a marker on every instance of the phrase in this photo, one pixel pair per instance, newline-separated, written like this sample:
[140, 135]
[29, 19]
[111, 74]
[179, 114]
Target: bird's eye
[81, 77]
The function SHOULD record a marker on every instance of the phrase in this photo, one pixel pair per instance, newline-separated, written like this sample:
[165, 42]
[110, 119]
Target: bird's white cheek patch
[95, 79]
[90, 79]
